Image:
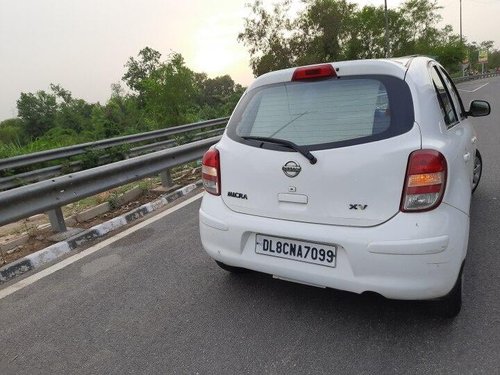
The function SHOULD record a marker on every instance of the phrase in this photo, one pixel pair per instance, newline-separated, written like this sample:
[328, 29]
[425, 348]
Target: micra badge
[234, 194]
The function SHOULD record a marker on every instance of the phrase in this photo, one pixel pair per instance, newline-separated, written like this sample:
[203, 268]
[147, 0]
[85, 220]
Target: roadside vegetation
[333, 30]
[158, 92]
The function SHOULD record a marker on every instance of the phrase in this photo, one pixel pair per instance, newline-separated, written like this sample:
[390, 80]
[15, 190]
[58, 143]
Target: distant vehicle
[353, 175]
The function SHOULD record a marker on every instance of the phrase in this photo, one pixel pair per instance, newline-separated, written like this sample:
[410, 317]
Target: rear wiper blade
[300, 149]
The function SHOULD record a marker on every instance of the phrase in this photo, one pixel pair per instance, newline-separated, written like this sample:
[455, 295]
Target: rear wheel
[478, 169]
[231, 269]
[450, 305]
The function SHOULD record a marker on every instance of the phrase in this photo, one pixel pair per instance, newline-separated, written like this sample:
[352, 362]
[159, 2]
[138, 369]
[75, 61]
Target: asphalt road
[154, 303]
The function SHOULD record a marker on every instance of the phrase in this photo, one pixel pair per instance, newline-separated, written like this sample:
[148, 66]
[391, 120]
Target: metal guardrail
[66, 152]
[21, 179]
[27, 177]
[51, 194]
[479, 76]
[37, 175]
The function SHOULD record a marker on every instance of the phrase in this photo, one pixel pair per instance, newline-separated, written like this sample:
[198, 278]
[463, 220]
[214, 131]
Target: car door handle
[467, 156]
[473, 140]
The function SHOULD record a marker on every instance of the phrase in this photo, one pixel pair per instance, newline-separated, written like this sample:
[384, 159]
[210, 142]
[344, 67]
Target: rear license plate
[309, 252]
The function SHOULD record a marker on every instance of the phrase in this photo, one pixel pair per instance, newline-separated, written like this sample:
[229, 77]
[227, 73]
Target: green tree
[141, 69]
[323, 30]
[37, 111]
[61, 93]
[232, 100]
[367, 40]
[216, 91]
[266, 34]
[448, 49]
[331, 30]
[217, 96]
[170, 93]
[73, 114]
[121, 115]
[421, 18]
[494, 59]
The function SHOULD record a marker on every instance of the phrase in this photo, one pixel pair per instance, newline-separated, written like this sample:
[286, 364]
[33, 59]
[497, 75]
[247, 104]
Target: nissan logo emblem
[291, 168]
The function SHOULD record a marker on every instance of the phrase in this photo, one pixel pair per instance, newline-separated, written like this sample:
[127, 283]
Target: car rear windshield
[327, 113]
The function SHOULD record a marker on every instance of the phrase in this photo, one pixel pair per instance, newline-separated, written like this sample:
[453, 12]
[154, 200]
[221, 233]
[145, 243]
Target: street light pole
[460, 22]
[461, 40]
[387, 29]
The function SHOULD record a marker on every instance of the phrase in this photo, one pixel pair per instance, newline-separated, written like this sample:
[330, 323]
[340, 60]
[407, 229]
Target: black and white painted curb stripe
[52, 252]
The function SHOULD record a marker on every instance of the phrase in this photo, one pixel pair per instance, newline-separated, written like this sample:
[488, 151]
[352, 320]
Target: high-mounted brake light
[425, 181]
[210, 171]
[314, 72]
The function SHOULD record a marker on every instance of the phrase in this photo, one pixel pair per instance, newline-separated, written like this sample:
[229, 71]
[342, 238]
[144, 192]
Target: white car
[353, 175]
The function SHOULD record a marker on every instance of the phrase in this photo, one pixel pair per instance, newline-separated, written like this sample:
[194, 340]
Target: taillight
[425, 181]
[314, 72]
[210, 171]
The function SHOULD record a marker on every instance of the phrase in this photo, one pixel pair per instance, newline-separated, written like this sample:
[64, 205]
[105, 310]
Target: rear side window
[444, 98]
[327, 113]
[453, 92]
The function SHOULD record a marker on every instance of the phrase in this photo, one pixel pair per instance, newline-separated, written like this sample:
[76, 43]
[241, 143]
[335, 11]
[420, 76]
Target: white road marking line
[72, 259]
[480, 87]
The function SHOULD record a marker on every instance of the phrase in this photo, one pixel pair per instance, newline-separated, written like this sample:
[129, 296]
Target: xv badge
[357, 206]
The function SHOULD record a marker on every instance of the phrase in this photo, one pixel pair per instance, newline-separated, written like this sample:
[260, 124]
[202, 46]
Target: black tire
[450, 305]
[478, 170]
[231, 269]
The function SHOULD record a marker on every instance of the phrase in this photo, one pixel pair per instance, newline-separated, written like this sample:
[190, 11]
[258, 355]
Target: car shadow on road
[315, 301]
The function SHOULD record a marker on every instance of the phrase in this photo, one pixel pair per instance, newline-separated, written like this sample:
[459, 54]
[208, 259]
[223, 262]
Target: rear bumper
[411, 256]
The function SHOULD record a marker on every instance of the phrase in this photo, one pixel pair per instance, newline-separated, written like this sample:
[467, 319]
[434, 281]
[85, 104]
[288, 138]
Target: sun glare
[216, 51]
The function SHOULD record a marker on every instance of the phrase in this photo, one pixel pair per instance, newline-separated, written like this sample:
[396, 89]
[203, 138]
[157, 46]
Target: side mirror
[479, 108]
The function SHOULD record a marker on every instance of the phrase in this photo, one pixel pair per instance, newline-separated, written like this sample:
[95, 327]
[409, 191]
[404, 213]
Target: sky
[83, 44]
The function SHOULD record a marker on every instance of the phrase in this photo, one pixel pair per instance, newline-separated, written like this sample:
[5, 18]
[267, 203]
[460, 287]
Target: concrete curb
[52, 252]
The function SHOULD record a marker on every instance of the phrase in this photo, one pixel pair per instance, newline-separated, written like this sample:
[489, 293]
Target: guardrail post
[57, 220]
[166, 179]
